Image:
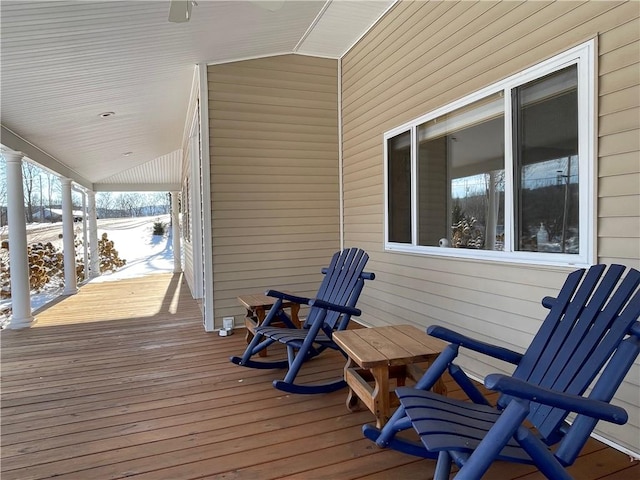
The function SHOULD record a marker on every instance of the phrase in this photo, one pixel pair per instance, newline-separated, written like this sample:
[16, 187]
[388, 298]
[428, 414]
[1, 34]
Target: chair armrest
[549, 302]
[566, 401]
[316, 302]
[494, 351]
[365, 275]
[368, 275]
[287, 297]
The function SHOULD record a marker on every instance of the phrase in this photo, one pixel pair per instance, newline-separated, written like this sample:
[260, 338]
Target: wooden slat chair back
[579, 335]
[331, 310]
[587, 343]
[342, 285]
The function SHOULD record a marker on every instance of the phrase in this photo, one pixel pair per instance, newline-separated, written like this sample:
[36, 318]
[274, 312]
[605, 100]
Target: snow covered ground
[133, 238]
[144, 252]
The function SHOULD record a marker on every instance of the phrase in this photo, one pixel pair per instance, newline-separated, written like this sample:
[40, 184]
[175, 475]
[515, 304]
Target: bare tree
[54, 192]
[122, 204]
[160, 201]
[41, 206]
[136, 203]
[104, 203]
[30, 173]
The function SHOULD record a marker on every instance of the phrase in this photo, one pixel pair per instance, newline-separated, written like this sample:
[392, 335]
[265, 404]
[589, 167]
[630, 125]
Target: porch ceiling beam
[15, 142]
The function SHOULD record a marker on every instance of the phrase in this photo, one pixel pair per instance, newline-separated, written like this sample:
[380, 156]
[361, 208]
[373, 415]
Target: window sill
[528, 258]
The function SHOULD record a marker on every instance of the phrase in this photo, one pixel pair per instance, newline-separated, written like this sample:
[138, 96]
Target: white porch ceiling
[65, 62]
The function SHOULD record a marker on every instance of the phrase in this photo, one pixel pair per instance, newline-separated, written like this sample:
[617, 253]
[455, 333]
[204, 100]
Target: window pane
[546, 153]
[399, 187]
[461, 177]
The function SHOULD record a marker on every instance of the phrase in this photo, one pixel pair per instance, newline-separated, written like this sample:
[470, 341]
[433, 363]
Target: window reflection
[547, 163]
[399, 187]
[461, 177]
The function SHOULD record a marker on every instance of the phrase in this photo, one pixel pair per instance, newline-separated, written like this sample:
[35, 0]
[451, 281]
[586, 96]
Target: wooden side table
[380, 353]
[257, 305]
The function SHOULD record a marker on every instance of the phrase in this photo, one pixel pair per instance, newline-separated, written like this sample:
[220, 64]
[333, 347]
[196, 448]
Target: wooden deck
[121, 380]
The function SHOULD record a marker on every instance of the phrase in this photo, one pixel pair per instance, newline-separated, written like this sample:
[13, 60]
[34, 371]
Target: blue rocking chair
[591, 330]
[330, 311]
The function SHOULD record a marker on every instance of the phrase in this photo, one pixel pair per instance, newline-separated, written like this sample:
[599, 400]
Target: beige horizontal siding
[620, 80]
[244, 150]
[628, 184]
[268, 251]
[445, 61]
[280, 200]
[309, 140]
[424, 55]
[618, 206]
[622, 34]
[625, 120]
[228, 127]
[284, 116]
[622, 247]
[620, 99]
[619, 142]
[264, 78]
[273, 214]
[620, 57]
[621, 228]
[306, 173]
[296, 100]
[619, 164]
[274, 175]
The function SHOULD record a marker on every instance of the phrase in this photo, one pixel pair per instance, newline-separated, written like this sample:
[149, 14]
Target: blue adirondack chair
[592, 326]
[330, 311]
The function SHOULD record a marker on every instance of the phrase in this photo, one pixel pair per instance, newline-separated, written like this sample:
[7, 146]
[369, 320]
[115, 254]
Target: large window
[504, 173]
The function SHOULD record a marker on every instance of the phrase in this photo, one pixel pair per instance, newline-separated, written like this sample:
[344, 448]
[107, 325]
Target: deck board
[121, 380]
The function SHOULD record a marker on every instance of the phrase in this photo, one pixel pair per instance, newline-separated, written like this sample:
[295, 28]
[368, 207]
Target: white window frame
[584, 56]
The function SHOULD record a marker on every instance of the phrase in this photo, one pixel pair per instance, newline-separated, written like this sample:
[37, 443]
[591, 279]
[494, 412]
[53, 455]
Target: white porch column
[70, 279]
[175, 233]
[94, 256]
[18, 260]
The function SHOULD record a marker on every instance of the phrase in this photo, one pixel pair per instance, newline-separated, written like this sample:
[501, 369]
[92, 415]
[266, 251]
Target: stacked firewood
[5, 284]
[46, 264]
[109, 257]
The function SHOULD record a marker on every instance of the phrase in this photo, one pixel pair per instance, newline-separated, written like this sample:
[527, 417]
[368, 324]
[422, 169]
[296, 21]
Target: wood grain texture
[121, 380]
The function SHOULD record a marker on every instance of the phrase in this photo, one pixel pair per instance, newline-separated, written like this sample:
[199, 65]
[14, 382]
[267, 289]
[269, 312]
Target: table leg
[249, 320]
[415, 373]
[381, 395]
[401, 376]
[440, 388]
[352, 397]
[261, 314]
[295, 310]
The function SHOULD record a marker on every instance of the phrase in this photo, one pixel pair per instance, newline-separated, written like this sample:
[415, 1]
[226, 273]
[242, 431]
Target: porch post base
[16, 323]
